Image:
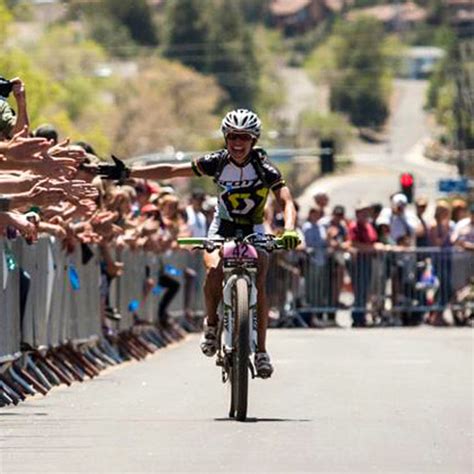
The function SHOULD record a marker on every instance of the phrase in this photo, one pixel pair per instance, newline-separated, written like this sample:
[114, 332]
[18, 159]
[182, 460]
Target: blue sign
[460, 185]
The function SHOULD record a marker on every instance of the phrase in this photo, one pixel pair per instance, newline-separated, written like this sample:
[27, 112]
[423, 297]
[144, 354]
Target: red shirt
[363, 233]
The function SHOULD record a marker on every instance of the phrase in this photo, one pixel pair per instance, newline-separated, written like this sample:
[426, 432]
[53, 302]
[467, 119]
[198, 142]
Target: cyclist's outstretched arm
[164, 171]
[285, 201]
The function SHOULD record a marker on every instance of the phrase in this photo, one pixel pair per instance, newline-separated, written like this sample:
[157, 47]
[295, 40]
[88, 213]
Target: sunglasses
[245, 137]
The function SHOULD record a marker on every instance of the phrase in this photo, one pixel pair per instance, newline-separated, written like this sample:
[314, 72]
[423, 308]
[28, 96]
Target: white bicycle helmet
[241, 121]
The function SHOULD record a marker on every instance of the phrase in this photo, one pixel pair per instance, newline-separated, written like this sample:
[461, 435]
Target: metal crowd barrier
[49, 298]
[387, 284]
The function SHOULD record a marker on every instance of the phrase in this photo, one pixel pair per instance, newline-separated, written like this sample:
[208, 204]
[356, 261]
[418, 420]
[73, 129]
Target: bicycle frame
[237, 332]
[238, 260]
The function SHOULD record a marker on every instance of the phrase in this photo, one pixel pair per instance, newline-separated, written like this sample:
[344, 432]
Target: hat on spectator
[383, 219]
[47, 131]
[399, 199]
[149, 208]
[459, 203]
[361, 205]
[338, 210]
[166, 190]
[421, 201]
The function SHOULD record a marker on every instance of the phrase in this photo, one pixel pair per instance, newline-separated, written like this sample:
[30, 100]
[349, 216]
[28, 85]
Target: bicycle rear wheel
[241, 353]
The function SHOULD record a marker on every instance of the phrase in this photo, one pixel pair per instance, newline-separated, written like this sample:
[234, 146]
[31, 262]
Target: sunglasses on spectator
[245, 137]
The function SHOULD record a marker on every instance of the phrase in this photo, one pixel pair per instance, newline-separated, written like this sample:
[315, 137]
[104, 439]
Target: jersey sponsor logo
[241, 203]
[246, 183]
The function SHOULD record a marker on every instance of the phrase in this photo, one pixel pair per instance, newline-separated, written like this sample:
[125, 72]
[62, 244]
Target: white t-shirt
[196, 222]
[400, 225]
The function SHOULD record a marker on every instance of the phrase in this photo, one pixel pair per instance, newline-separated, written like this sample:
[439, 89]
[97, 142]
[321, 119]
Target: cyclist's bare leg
[213, 285]
[262, 307]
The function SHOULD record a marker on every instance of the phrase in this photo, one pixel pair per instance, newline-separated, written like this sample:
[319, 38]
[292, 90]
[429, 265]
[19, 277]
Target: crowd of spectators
[344, 246]
[50, 186]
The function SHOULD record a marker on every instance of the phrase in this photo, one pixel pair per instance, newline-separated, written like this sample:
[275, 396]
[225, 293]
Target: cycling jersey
[243, 188]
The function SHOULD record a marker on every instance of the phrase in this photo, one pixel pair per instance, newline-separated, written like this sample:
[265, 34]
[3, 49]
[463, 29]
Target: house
[419, 62]
[298, 16]
[460, 15]
[394, 16]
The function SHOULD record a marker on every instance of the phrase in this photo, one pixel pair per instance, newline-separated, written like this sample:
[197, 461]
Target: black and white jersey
[243, 188]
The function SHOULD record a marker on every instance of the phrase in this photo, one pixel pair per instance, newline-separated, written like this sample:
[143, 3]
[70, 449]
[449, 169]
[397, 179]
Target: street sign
[459, 186]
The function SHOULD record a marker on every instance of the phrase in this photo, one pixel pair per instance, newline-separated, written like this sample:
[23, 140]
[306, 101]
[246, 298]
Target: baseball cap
[399, 199]
[149, 208]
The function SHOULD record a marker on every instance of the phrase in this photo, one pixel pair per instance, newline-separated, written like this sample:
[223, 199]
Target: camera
[6, 87]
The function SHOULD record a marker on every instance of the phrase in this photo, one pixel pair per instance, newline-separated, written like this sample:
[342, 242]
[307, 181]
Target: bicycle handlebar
[268, 242]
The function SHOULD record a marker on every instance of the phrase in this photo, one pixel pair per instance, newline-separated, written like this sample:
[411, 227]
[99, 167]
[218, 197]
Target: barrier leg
[11, 390]
[27, 388]
[109, 350]
[8, 394]
[49, 373]
[66, 363]
[32, 381]
[93, 359]
[58, 372]
[35, 371]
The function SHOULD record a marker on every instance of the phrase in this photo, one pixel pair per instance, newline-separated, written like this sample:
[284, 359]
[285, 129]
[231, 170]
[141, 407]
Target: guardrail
[52, 302]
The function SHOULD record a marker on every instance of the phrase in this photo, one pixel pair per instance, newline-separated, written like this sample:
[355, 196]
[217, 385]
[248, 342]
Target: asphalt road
[377, 167]
[380, 400]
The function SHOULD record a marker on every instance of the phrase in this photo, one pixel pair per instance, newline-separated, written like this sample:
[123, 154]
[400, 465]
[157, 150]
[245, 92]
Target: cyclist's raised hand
[290, 239]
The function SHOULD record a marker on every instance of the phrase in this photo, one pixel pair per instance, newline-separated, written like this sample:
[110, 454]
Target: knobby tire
[240, 360]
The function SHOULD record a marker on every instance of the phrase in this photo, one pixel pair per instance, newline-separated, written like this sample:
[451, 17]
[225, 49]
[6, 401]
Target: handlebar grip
[190, 241]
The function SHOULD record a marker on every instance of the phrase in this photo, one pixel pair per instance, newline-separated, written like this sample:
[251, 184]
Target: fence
[51, 329]
[391, 286]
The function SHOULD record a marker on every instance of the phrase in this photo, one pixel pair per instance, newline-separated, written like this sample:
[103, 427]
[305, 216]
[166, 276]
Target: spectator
[402, 225]
[12, 123]
[315, 237]
[337, 237]
[459, 210]
[463, 235]
[48, 132]
[363, 238]
[196, 218]
[422, 231]
[440, 235]
[321, 200]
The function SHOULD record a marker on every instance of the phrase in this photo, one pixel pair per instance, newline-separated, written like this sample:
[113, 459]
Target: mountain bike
[237, 329]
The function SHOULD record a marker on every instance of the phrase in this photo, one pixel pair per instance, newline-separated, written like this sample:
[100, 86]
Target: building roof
[424, 52]
[408, 11]
[288, 7]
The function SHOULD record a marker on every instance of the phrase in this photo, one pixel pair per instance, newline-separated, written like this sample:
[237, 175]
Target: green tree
[5, 21]
[136, 16]
[255, 11]
[355, 63]
[231, 54]
[187, 32]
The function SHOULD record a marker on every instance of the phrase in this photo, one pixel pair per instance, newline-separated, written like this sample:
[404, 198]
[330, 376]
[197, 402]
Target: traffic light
[327, 156]
[407, 184]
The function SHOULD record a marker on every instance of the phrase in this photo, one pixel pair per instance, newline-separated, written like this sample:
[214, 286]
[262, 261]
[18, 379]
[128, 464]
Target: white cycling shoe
[263, 365]
[208, 341]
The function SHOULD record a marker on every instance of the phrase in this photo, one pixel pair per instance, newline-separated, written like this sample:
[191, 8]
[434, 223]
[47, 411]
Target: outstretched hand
[116, 172]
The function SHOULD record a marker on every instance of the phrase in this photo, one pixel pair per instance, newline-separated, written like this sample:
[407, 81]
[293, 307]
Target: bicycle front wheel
[240, 359]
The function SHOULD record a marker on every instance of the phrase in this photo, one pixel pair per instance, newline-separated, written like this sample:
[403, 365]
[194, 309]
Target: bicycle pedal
[225, 375]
